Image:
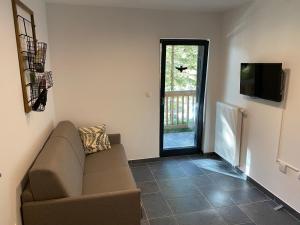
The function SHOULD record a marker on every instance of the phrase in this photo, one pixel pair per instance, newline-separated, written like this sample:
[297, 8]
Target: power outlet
[282, 168]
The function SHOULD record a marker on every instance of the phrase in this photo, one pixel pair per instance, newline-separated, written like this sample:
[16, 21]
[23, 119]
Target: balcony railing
[179, 109]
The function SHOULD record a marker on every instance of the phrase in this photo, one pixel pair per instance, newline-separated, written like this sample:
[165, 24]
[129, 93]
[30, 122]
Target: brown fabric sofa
[68, 188]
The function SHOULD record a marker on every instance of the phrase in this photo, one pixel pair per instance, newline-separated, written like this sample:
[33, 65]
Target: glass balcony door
[183, 73]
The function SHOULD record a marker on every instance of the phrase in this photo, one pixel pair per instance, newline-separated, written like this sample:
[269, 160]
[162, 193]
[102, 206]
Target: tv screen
[262, 80]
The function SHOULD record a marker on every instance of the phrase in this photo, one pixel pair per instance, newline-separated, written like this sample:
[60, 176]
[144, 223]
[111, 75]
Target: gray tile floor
[179, 140]
[193, 190]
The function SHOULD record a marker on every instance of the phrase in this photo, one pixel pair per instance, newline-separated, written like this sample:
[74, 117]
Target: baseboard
[202, 155]
[144, 160]
[212, 155]
[290, 210]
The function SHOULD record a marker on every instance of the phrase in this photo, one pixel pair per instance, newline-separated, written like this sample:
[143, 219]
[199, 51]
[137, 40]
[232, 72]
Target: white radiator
[228, 132]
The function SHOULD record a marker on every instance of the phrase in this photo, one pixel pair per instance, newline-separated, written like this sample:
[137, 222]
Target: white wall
[266, 31]
[22, 135]
[107, 60]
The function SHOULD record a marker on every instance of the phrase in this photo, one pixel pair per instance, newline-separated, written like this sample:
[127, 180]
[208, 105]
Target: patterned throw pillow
[94, 139]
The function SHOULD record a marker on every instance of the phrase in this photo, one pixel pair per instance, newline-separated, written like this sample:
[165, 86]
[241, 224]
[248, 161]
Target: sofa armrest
[113, 208]
[114, 139]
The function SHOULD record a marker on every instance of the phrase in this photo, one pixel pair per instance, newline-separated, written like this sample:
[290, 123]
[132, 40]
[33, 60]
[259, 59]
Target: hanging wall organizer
[32, 58]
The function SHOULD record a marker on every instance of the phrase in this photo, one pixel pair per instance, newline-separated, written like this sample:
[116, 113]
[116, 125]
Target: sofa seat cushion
[106, 160]
[115, 179]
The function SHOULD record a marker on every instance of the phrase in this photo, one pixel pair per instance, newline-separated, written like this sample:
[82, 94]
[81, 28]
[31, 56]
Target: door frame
[200, 95]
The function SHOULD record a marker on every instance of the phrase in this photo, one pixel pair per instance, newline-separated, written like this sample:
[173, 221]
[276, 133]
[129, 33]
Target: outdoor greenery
[185, 56]
[178, 130]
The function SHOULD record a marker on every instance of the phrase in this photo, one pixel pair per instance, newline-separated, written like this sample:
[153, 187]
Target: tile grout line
[297, 219]
[216, 208]
[235, 204]
[207, 200]
[268, 200]
[241, 189]
[253, 186]
[149, 193]
[246, 214]
[210, 177]
[157, 183]
[146, 215]
[142, 204]
[251, 203]
[244, 223]
[211, 205]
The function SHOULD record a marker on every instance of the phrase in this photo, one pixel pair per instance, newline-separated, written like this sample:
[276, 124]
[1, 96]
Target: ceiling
[185, 5]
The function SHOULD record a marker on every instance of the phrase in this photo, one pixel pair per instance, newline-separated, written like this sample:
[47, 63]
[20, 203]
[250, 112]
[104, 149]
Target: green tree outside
[181, 55]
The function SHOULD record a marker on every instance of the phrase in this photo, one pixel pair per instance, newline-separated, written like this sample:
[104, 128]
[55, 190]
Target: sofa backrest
[58, 170]
[69, 132]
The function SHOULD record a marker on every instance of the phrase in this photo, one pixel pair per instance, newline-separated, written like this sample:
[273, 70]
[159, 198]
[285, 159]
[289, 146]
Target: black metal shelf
[32, 58]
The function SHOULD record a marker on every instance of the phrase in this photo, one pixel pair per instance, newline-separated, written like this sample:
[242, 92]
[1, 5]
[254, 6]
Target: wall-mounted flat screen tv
[262, 80]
